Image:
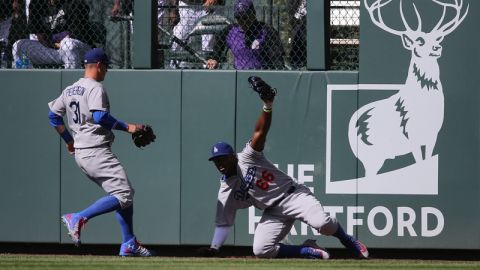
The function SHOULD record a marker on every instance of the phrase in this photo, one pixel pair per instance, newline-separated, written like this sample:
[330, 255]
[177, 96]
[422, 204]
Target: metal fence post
[145, 38]
[317, 30]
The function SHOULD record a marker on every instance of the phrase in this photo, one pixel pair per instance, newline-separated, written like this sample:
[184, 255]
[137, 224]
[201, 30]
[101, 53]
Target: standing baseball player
[249, 178]
[87, 108]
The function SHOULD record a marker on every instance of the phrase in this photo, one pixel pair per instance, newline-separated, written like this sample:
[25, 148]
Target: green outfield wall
[391, 151]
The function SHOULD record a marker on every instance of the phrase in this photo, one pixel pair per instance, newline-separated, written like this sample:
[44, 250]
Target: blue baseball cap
[221, 149]
[96, 55]
[243, 8]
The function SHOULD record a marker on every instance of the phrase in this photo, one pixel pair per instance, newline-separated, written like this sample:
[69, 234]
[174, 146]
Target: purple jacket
[257, 48]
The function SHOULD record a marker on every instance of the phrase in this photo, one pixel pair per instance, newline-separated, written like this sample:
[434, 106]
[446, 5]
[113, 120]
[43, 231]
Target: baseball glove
[144, 136]
[265, 91]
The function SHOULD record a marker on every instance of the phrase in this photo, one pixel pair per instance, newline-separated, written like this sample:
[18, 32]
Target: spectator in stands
[298, 36]
[118, 29]
[61, 30]
[167, 13]
[190, 11]
[119, 9]
[254, 44]
[6, 10]
[13, 22]
[168, 16]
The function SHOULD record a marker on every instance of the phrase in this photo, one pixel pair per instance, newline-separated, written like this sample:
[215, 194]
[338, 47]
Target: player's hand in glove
[265, 91]
[142, 135]
[207, 252]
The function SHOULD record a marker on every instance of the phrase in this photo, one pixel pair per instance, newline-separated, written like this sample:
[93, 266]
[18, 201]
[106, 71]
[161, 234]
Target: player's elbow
[104, 119]
[55, 119]
[99, 117]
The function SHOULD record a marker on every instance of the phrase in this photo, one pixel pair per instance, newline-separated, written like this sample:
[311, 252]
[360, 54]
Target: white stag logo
[410, 119]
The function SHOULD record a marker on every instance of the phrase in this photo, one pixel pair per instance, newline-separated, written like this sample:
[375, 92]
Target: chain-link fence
[229, 34]
[57, 33]
[344, 34]
[240, 34]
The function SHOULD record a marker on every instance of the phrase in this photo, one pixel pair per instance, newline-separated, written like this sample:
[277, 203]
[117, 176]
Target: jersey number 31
[75, 106]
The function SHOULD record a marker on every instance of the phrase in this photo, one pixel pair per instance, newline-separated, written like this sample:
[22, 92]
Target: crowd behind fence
[191, 34]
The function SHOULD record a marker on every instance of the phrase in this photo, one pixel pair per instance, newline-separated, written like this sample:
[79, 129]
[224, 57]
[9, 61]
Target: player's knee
[125, 198]
[265, 251]
[330, 227]
[320, 220]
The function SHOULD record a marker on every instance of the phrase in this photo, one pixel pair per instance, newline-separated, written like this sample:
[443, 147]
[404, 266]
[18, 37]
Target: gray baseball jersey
[78, 101]
[92, 141]
[258, 182]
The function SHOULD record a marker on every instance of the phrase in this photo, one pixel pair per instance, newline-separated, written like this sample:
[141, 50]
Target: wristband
[120, 125]
[266, 109]
[66, 136]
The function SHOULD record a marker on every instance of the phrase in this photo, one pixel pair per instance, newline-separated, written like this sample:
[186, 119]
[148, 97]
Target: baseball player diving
[87, 109]
[249, 178]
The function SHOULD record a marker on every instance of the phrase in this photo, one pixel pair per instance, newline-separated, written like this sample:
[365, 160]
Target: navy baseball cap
[96, 55]
[221, 149]
[243, 8]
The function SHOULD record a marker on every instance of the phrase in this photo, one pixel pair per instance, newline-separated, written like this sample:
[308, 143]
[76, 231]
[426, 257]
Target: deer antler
[377, 5]
[455, 22]
[419, 19]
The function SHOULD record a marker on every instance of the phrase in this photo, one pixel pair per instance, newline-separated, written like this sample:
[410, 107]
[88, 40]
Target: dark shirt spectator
[6, 10]
[61, 28]
[254, 44]
[13, 23]
[50, 17]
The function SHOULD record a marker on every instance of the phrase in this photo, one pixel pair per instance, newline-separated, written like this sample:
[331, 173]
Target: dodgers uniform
[259, 183]
[92, 141]
[87, 107]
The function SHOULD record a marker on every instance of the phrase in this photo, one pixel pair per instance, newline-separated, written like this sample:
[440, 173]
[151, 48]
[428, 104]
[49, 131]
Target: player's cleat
[74, 223]
[360, 250]
[312, 250]
[133, 248]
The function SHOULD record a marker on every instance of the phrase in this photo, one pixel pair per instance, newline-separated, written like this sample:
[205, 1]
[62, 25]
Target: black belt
[289, 191]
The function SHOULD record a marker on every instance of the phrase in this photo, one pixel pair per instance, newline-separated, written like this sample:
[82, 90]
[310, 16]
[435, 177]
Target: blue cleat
[74, 223]
[133, 248]
[313, 251]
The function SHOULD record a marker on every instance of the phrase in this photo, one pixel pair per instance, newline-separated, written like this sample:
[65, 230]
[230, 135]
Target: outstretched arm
[107, 121]
[262, 127]
[220, 236]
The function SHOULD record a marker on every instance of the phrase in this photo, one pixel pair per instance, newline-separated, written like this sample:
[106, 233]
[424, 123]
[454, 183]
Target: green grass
[8, 261]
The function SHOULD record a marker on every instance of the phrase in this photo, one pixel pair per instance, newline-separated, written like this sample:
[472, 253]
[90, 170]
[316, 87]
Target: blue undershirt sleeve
[55, 119]
[107, 121]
